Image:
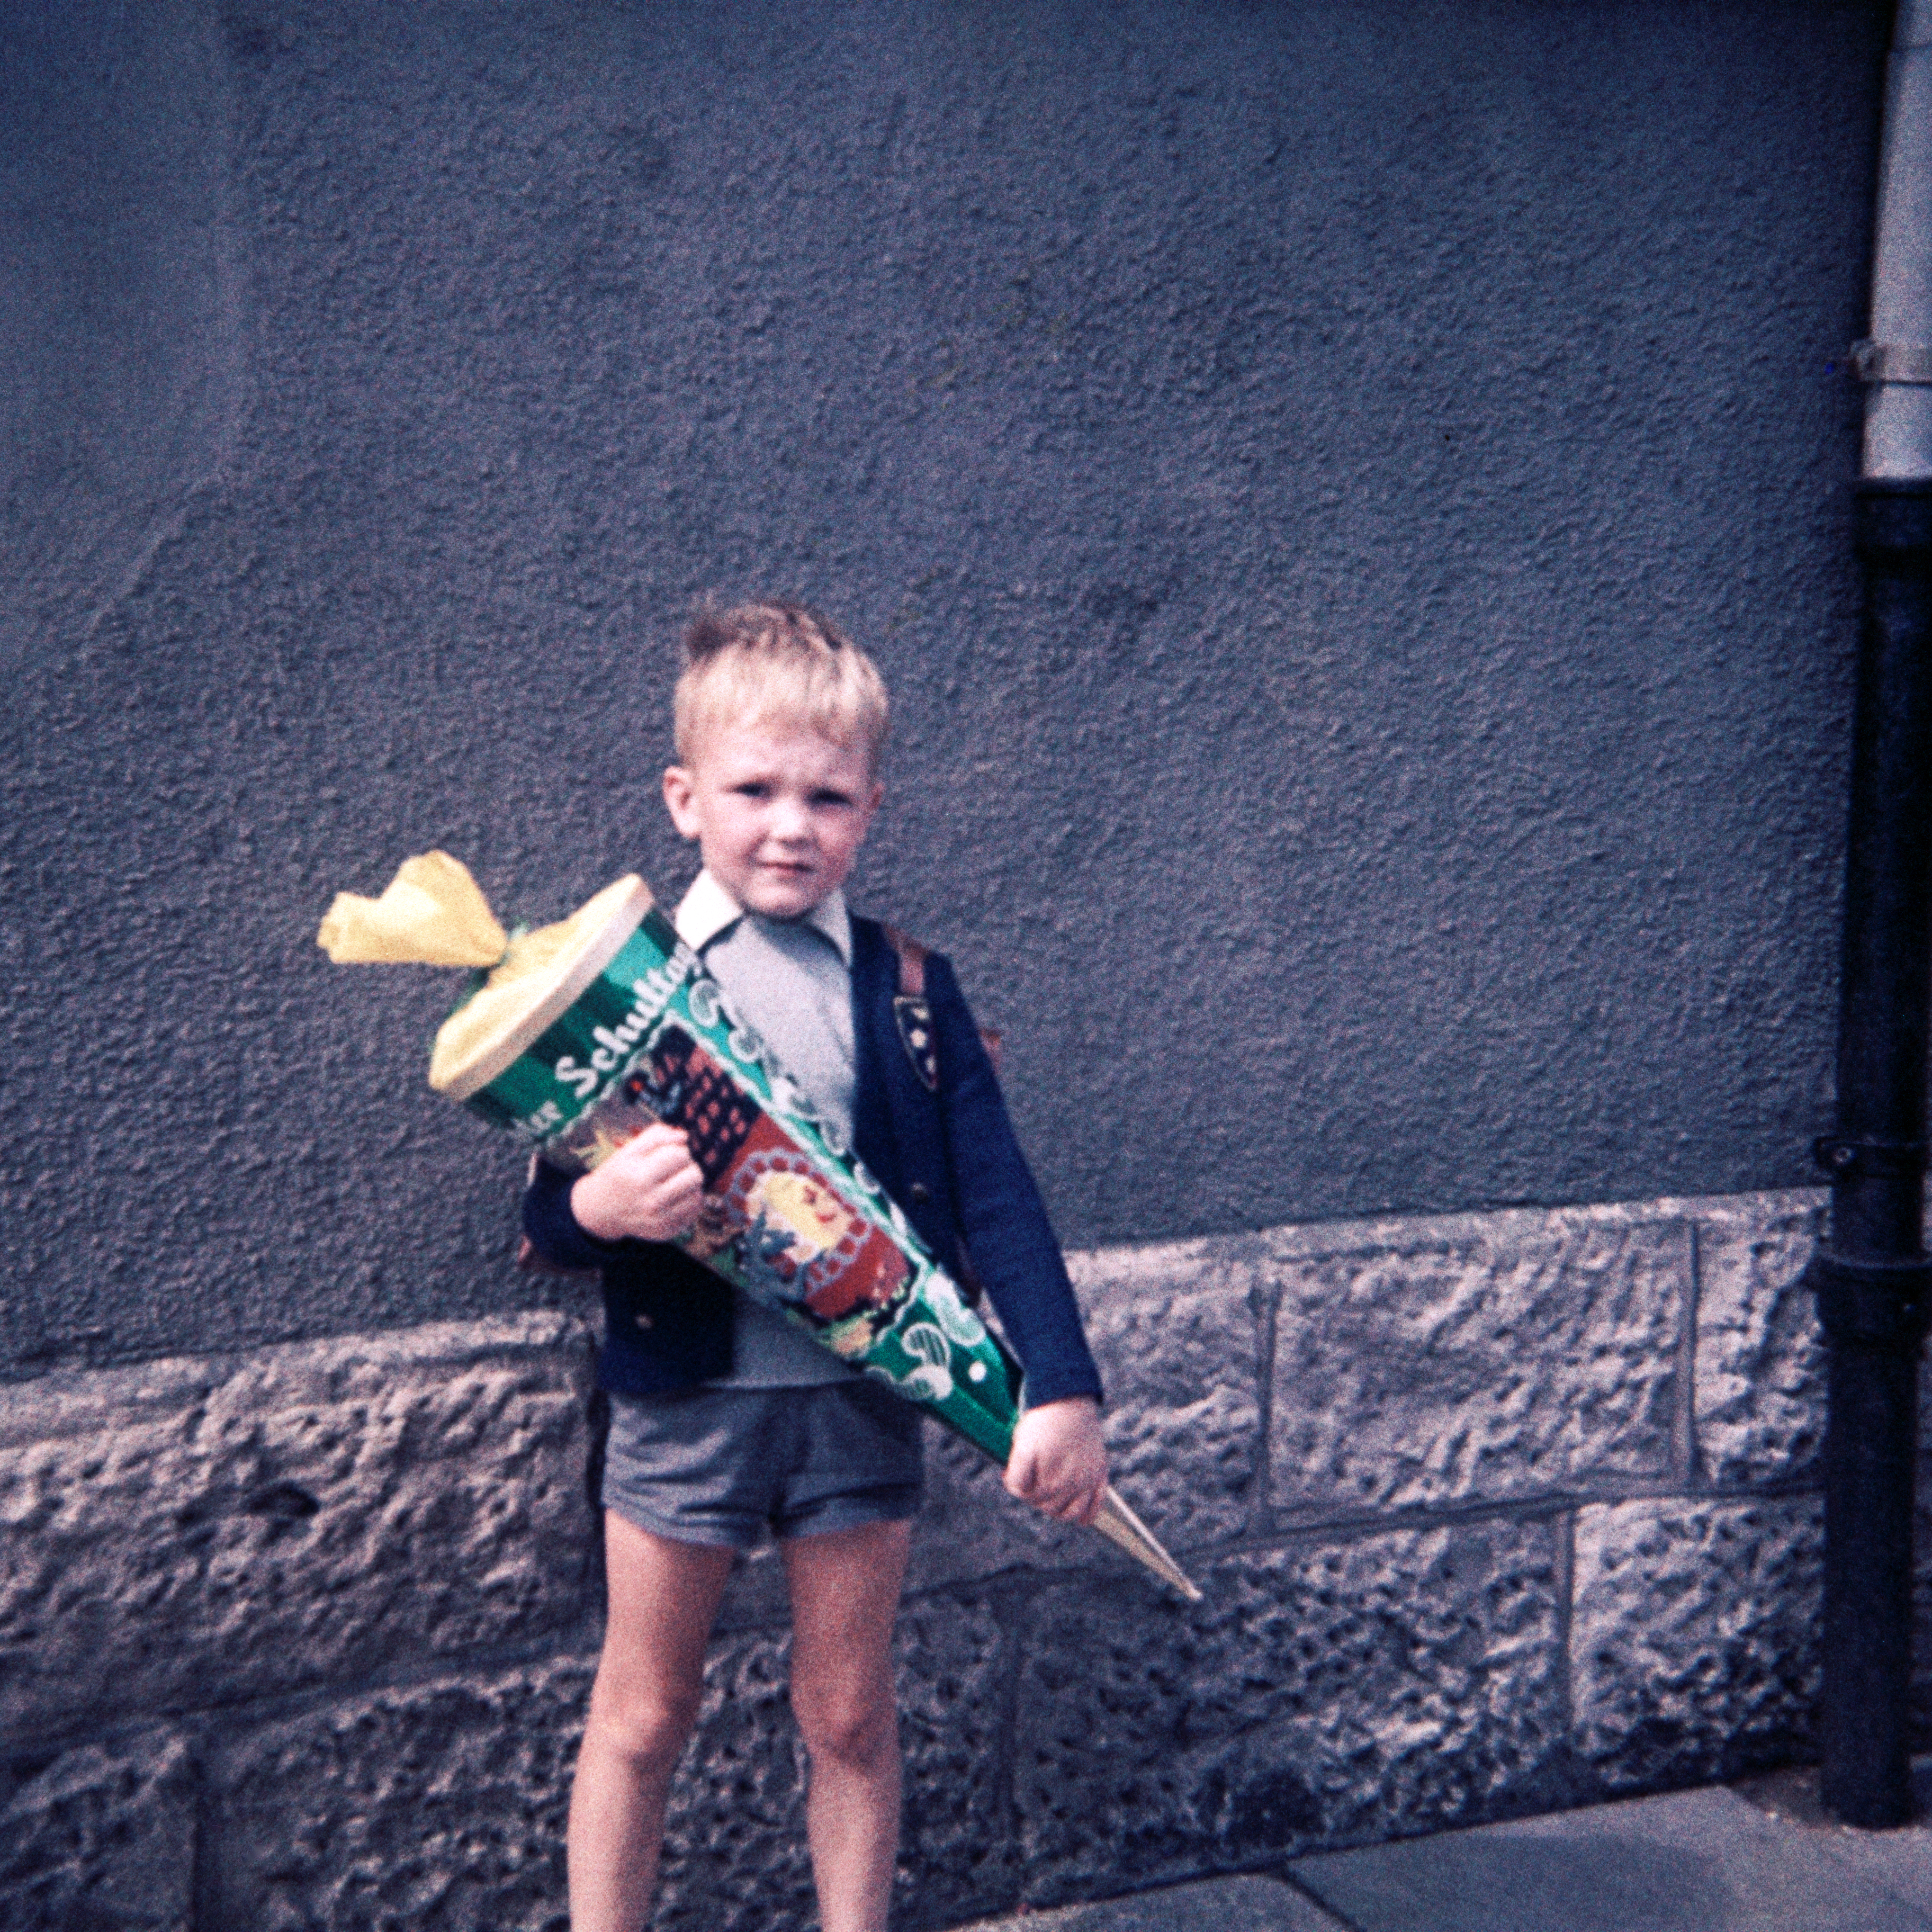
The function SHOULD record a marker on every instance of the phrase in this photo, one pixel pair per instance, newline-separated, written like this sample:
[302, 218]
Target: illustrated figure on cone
[728, 1422]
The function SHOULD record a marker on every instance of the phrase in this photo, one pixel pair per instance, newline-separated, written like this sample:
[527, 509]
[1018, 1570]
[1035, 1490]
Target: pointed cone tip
[1120, 1525]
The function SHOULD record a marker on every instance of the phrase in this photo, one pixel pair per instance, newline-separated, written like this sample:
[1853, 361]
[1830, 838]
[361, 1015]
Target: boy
[726, 1421]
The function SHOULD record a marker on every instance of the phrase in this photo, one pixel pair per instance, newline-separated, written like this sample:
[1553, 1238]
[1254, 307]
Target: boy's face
[777, 810]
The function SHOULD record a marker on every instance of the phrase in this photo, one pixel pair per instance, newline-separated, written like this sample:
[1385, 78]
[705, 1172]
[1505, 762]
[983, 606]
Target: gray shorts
[721, 1466]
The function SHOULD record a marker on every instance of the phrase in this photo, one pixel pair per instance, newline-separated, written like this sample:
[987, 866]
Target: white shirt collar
[708, 909]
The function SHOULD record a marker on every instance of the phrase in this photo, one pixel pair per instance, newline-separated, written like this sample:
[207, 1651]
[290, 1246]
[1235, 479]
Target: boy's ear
[680, 800]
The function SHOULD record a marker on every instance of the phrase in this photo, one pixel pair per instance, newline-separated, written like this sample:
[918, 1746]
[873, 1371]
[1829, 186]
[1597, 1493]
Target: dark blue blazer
[949, 1159]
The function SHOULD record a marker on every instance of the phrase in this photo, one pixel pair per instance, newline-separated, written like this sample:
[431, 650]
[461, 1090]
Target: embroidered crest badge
[915, 1019]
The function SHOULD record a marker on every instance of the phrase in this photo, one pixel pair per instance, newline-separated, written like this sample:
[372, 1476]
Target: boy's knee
[650, 1731]
[860, 1734]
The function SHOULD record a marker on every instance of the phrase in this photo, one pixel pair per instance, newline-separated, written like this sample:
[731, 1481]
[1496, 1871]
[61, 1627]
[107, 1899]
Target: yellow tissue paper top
[542, 973]
[433, 914]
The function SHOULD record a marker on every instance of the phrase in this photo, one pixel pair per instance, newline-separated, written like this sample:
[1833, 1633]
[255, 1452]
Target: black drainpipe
[1873, 1281]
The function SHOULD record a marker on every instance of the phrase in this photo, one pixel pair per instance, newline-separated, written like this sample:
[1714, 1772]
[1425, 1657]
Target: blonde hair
[777, 660]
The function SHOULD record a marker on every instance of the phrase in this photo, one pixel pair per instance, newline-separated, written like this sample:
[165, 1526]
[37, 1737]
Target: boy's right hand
[650, 1188]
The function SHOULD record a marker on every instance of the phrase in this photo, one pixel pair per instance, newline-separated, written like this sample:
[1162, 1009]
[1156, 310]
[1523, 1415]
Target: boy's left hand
[1059, 1463]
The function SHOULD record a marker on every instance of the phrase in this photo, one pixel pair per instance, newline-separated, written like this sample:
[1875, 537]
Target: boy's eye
[752, 788]
[826, 796]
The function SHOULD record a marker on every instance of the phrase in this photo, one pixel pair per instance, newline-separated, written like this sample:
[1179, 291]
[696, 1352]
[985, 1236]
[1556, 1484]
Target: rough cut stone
[958, 1854]
[424, 1810]
[968, 1527]
[196, 1534]
[1694, 1637]
[191, 1532]
[1177, 1340]
[735, 1853]
[1317, 1696]
[440, 1807]
[103, 1838]
[1760, 1361]
[1175, 1332]
[755, 1594]
[736, 1859]
[1478, 1358]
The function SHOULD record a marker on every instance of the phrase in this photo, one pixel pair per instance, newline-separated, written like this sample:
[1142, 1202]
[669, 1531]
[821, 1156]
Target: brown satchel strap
[912, 963]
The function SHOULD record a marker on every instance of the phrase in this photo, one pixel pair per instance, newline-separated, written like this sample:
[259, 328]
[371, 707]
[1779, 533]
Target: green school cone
[587, 1031]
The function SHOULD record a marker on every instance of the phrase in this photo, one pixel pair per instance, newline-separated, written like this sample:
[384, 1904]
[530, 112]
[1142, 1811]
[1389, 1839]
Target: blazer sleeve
[554, 1231]
[1001, 1216]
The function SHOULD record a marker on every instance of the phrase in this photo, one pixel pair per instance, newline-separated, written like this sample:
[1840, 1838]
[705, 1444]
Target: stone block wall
[1493, 1513]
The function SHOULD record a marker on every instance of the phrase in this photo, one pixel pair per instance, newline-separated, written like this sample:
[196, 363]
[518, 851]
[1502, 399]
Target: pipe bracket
[1908, 362]
[1845, 1158]
[1872, 1304]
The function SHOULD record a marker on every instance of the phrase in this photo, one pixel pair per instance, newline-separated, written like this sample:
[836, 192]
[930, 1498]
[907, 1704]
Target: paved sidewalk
[1758, 1858]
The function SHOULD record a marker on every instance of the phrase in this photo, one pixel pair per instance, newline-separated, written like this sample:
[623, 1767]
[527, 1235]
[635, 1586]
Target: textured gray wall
[1350, 498]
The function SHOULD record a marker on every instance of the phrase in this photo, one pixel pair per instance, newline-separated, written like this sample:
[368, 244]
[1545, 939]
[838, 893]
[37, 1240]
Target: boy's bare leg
[845, 1593]
[664, 1598]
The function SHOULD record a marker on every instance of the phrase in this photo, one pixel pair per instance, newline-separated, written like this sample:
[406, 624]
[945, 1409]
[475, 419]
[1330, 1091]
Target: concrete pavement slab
[1901, 1861]
[1705, 1860]
[1245, 1904]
